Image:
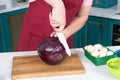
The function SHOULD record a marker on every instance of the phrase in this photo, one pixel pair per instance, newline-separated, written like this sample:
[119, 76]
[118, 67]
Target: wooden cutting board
[33, 67]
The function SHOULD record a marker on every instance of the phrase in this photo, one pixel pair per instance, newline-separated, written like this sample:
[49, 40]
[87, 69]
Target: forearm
[78, 22]
[75, 25]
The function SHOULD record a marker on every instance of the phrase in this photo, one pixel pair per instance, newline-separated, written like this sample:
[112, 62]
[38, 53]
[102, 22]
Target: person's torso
[42, 9]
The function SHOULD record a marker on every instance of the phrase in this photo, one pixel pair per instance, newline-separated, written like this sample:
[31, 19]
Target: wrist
[58, 3]
[66, 34]
[55, 3]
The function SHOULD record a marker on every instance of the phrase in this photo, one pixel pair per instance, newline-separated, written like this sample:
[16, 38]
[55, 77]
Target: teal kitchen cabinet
[78, 40]
[113, 37]
[10, 29]
[93, 32]
[4, 42]
[0, 41]
[1, 47]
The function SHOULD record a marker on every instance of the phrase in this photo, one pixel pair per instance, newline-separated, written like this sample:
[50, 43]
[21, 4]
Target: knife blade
[62, 39]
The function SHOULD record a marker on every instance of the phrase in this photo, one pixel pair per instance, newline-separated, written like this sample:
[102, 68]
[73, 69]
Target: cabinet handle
[102, 26]
[117, 40]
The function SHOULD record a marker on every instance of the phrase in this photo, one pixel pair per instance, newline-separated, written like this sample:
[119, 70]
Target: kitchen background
[103, 25]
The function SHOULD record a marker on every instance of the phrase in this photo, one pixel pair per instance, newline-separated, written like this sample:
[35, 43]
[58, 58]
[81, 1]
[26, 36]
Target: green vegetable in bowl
[115, 64]
[114, 67]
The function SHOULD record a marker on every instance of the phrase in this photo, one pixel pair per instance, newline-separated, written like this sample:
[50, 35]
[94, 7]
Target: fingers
[58, 29]
[57, 18]
[53, 21]
[57, 26]
[53, 34]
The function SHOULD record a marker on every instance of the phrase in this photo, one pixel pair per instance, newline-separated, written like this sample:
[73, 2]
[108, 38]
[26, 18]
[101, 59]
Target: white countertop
[13, 8]
[105, 12]
[92, 72]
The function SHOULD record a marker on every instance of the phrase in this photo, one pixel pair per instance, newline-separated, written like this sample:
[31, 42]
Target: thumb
[50, 15]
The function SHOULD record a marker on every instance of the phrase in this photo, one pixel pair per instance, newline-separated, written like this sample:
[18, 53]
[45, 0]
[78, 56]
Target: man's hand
[57, 16]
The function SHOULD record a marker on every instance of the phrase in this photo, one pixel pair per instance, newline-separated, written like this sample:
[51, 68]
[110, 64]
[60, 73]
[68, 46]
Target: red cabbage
[51, 51]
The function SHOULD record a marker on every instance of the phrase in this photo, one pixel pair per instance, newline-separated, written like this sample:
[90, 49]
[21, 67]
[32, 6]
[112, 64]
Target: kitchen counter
[92, 72]
[13, 8]
[105, 12]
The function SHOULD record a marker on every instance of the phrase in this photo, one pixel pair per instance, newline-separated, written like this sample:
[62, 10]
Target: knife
[62, 39]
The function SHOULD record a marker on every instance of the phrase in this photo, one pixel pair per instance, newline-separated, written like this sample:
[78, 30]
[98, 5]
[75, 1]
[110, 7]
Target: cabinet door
[15, 23]
[0, 35]
[114, 30]
[10, 25]
[4, 38]
[0, 42]
[15, 20]
[78, 39]
[95, 31]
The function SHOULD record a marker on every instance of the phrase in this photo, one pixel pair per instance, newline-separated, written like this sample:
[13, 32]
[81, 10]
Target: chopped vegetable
[98, 50]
